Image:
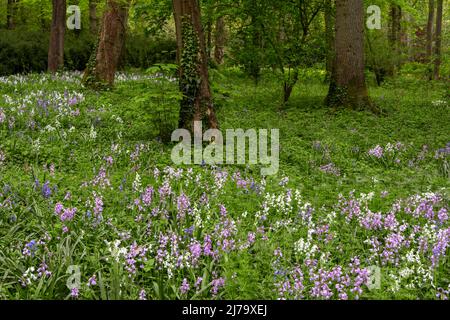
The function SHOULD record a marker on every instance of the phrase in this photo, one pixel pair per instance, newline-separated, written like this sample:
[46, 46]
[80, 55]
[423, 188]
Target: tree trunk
[438, 36]
[196, 104]
[219, 40]
[395, 27]
[102, 67]
[56, 47]
[209, 37]
[11, 11]
[254, 67]
[430, 29]
[93, 17]
[380, 71]
[347, 85]
[209, 29]
[328, 12]
[395, 35]
[289, 84]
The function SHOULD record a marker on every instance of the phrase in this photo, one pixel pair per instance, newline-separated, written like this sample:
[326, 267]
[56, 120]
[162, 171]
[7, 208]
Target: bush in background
[26, 51]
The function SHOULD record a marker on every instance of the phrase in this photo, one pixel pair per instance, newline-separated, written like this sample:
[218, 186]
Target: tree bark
[219, 40]
[409, 36]
[328, 15]
[429, 44]
[438, 36]
[347, 85]
[289, 84]
[395, 27]
[209, 39]
[395, 35]
[101, 69]
[56, 46]
[196, 104]
[93, 17]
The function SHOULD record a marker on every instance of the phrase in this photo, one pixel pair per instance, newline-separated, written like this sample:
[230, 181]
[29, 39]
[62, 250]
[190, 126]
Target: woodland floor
[80, 168]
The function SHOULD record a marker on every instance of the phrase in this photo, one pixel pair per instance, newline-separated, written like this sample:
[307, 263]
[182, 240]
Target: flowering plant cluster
[89, 212]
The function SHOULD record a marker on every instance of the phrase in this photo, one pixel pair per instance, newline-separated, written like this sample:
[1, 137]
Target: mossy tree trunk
[58, 28]
[196, 104]
[329, 35]
[208, 30]
[347, 84]
[219, 40]
[438, 39]
[429, 43]
[103, 64]
[93, 17]
[395, 32]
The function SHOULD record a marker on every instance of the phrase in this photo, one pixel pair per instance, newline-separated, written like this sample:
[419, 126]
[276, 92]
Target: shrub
[144, 52]
[24, 51]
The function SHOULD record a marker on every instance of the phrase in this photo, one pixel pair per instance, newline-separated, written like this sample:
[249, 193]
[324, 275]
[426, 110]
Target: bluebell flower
[189, 230]
[46, 190]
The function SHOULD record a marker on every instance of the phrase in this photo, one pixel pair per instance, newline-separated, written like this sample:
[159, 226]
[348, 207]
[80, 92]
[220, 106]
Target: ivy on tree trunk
[196, 104]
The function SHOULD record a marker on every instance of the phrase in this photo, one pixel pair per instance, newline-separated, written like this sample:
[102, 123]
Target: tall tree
[430, 29]
[329, 26]
[56, 46]
[347, 85]
[219, 40]
[438, 39]
[395, 33]
[395, 25]
[93, 16]
[196, 104]
[208, 29]
[103, 64]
